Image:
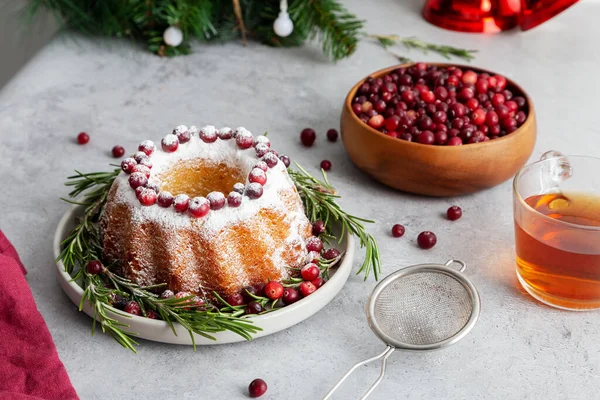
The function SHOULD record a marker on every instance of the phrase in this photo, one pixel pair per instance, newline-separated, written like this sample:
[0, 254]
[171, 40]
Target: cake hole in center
[199, 178]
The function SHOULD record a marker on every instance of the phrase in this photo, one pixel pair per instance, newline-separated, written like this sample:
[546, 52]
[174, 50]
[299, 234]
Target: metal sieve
[421, 307]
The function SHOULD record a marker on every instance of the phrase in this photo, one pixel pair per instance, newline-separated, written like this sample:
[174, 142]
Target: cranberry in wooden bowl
[438, 129]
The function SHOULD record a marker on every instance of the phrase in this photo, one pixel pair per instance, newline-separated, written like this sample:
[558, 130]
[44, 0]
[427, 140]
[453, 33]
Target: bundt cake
[211, 210]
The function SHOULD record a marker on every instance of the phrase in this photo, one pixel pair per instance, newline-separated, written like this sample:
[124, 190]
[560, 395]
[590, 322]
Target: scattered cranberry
[164, 199]
[258, 175]
[307, 137]
[290, 296]
[326, 165]
[332, 135]
[426, 240]
[285, 160]
[137, 179]
[307, 288]
[234, 199]
[147, 147]
[331, 253]
[454, 213]
[318, 227]
[398, 230]
[254, 308]
[254, 190]
[273, 290]
[94, 267]
[133, 308]
[128, 164]
[313, 243]
[235, 299]
[170, 143]
[318, 282]
[310, 272]
[257, 388]
[167, 294]
[83, 138]
[181, 202]
[147, 197]
[198, 207]
[118, 151]
[151, 314]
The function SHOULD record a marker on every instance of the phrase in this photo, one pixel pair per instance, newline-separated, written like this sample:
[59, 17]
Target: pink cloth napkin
[29, 365]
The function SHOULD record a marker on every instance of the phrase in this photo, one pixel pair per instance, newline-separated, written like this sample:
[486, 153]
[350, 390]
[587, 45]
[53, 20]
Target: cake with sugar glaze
[205, 211]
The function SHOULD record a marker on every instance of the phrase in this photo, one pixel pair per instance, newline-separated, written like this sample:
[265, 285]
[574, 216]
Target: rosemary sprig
[319, 199]
[387, 41]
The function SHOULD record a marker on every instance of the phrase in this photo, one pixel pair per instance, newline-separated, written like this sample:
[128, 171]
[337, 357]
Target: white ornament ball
[283, 25]
[173, 36]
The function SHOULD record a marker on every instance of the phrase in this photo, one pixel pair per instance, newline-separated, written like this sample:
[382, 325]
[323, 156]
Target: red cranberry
[498, 99]
[366, 107]
[520, 101]
[391, 124]
[198, 207]
[147, 197]
[512, 106]
[261, 165]
[492, 118]
[453, 80]
[307, 288]
[133, 308]
[182, 133]
[270, 159]
[454, 213]
[426, 240]
[426, 137]
[273, 290]
[258, 175]
[326, 165]
[469, 77]
[170, 143]
[257, 388]
[454, 141]
[379, 106]
[357, 108]
[94, 267]
[441, 137]
[235, 299]
[510, 124]
[119, 151]
[254, 308]
[208, 134]
[165, 199]
[428, 97]
[332, 135]
[318, 227]
[244, 139]
[398, 230]
[472, 104]
[310, 272]
[83, 138]
[234, 199]
[290, 296]
[248, 292]
[500, 82]
[458, 110]
[440, 117]
[141, 168]
[128, 164]
[147, 147]
[137, 179]
[478, 117]
[376, 121]
[181, 202]
[254, 190]
[151, 314]
[482, 86]
[216, 200]
[331, 253]
[308, 136]
[441, 93]
[406, 136]
[466, 93]
[318, 282]
[285, 160]
[520, 117]
[502, 112]
[313, 243]
[225, 133]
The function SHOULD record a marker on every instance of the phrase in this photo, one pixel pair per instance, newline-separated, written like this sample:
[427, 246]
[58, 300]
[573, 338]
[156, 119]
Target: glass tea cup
[557, 230]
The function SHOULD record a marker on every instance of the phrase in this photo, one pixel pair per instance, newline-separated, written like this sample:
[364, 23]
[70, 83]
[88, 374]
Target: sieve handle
[462, 264]
[388, 350]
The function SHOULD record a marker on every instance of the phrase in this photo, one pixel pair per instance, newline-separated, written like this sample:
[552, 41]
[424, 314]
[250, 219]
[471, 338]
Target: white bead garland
[173, 36]
[283, 25]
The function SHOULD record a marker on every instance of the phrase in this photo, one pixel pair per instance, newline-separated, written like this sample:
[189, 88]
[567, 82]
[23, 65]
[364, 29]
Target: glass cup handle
[560, 168]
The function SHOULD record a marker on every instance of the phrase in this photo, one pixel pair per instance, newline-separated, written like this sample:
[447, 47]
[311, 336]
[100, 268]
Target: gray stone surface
[519, 349]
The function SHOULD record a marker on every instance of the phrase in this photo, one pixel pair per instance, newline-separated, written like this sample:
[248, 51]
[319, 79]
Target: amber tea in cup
[557, 230]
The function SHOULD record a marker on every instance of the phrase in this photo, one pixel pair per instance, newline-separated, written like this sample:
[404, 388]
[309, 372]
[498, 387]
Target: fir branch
[387, 41]
[319, 199]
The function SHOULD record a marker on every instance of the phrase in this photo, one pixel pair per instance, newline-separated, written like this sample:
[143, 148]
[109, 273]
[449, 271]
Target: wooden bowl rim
[377, 74]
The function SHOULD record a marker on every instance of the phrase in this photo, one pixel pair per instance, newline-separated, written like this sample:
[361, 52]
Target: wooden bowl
[436, 170]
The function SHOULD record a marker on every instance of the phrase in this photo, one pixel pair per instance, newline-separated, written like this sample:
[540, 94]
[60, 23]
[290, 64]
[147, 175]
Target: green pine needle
[387, 41]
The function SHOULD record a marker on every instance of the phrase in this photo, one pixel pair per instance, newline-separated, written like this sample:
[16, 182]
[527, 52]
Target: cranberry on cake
[208, 210]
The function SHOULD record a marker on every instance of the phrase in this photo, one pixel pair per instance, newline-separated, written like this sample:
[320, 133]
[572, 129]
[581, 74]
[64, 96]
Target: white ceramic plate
[161, 332]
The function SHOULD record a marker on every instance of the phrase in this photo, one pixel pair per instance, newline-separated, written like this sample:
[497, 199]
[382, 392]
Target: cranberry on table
[454, 213]
[307, 137]
[398, 230]
[326, 165]
[257, 388]
[290, 296]
[426, 240]
[118, 151]
[307, 288]
[273, 290]
[254, 308]
[310, 272]
[83, 138]
[94, 267]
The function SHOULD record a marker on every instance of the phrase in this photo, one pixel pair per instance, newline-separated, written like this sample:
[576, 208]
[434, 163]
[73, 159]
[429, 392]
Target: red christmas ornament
[492, 16]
